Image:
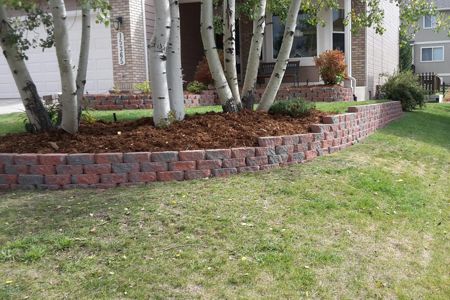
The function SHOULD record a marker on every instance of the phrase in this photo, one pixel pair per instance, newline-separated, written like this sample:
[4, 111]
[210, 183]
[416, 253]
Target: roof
[442, 3]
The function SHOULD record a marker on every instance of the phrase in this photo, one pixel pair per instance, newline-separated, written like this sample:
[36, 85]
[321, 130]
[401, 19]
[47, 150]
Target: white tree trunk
[251, 73]
[68, 100]
[220, 82]
[158, 66]
[84, 53]
[272, 88]
[174, 70]
[34, 108]
[229, 46]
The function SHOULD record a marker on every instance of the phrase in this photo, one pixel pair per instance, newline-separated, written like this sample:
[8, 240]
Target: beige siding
[383, 50]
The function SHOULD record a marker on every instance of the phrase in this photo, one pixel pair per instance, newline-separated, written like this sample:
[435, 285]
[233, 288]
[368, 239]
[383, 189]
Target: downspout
[348, 44]
[144, 21]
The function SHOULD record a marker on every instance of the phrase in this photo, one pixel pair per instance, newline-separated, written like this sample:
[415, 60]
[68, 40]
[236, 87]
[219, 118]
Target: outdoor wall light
[117, 23]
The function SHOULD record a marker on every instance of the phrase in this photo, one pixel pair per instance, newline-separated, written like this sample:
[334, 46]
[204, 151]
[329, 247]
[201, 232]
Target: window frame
[431, 22]
[432, 54]
[307, 61]
[336, 31]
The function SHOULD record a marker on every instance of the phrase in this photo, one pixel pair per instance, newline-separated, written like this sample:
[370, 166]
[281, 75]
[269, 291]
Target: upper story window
[305, 38]
[338, 30]
[430, 54]
[429, 22]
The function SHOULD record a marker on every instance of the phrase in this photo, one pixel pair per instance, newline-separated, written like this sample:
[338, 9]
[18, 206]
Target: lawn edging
[108, 170]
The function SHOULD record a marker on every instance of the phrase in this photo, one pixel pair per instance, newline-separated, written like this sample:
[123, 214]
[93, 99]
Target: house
[431, 49]
[119, 58]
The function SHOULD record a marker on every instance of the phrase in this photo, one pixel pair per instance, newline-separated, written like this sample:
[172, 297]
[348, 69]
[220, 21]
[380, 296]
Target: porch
[309, 41]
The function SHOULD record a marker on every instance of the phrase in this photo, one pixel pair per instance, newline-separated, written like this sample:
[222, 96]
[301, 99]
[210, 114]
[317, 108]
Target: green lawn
[369, 222]
[14, 123]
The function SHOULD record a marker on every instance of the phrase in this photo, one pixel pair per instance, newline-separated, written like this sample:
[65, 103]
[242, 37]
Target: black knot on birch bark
[277, 75]
[291, 33]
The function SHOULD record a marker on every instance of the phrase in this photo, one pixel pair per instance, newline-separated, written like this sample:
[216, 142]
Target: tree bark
[34, 108]
[68, 100]
[174, 69]
[158, 64]
[272, 88]
[229, 45]
[251, 74]
[84, 54]
[220, 82]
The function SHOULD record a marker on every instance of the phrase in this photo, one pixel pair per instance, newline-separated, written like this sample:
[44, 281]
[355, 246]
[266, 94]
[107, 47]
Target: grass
[14, 122]
[369, 222]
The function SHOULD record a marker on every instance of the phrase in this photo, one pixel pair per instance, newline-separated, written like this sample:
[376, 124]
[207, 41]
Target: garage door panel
[43, 65]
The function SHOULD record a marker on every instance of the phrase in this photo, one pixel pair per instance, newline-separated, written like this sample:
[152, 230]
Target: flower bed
[319, 93]
[107, 170]
[335, 93]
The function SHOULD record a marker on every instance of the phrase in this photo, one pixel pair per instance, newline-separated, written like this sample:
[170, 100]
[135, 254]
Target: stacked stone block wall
[209, 97]
[107, 170]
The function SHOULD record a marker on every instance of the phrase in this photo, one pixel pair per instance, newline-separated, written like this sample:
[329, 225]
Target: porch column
[348, 37]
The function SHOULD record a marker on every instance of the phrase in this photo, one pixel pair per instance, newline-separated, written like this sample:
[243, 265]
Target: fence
[430, 82]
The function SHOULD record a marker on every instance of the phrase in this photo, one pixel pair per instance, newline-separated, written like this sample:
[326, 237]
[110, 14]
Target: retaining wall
[107, 170]
[209, 97]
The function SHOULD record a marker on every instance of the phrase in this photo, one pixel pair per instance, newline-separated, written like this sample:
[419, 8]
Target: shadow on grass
[431, 126]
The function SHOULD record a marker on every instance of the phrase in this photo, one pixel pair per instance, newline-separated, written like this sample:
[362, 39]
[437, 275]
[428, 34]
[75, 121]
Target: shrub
[202, 73]
[196, 87]
[404, 87]
[332, 67]
[144, 87]
[293, 107]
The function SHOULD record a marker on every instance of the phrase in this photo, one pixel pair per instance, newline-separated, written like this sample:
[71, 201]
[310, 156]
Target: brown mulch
[206, 131]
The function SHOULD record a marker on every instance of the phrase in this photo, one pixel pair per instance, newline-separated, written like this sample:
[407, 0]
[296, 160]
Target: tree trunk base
[248, 100]
[231, 106]
[35, 106]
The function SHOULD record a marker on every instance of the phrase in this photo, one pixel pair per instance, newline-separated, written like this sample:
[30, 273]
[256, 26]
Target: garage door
[43, 65]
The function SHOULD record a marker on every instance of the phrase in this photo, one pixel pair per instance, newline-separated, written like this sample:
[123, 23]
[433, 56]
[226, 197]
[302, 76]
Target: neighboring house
[368, 55]
[431, 49]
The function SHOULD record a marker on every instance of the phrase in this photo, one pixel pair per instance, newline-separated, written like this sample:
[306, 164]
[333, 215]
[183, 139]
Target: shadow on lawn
[431, 126]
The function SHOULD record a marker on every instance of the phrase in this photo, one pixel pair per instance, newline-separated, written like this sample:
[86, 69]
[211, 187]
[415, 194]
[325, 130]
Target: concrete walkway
[10, 105]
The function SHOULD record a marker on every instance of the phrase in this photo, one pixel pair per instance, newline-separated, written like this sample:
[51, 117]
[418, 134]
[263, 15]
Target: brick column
[359, 51]
[134, 70]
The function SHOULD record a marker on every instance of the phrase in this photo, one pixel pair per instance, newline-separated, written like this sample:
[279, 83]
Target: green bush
[196, 87]
[143, 87]
[293, 107]
[404, 87]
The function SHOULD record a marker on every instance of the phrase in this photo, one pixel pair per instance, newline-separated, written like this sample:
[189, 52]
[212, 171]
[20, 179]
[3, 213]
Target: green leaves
[19, 29]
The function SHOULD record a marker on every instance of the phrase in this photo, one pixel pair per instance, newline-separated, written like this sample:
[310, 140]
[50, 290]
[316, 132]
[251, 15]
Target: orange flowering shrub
[332, 67]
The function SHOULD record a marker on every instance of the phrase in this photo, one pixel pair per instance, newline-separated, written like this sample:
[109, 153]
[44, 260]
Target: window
[338, 30]
[429, 22]
[305, 38]
[430, 54]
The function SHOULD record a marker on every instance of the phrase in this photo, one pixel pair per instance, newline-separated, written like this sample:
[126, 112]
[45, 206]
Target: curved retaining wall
[107, 170]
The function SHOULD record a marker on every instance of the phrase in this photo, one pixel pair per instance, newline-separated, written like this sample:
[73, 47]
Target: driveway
[10, 105]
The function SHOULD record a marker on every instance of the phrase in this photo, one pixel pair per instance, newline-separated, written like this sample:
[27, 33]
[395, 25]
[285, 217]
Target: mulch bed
[206, 131]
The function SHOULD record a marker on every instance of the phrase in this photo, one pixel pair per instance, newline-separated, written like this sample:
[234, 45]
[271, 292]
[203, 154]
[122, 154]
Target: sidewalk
[10, 106]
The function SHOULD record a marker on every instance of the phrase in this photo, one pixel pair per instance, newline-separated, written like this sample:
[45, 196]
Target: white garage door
[43, 65]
